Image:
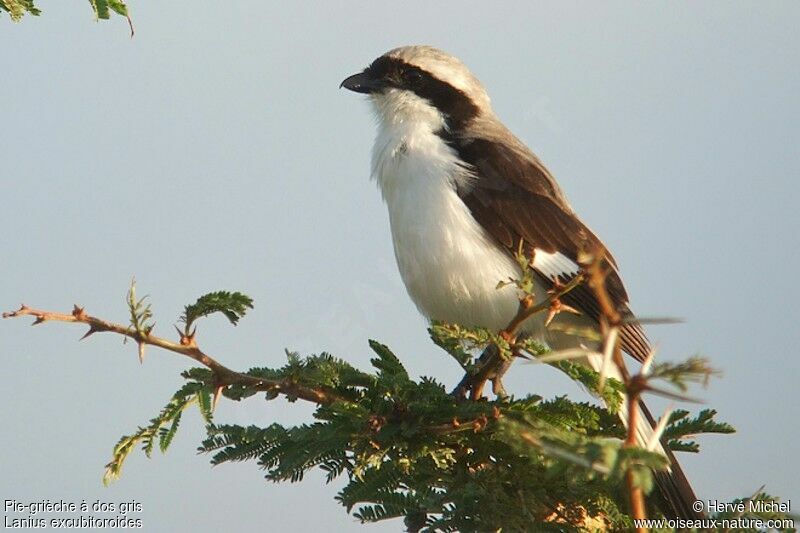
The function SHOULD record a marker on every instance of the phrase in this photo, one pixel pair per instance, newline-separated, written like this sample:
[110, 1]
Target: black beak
[361, 83]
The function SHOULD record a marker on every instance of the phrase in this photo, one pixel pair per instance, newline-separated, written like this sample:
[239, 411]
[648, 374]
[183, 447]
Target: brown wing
[514, 198]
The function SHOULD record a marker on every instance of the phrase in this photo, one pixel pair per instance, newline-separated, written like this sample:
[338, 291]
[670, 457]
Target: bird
[464, 194]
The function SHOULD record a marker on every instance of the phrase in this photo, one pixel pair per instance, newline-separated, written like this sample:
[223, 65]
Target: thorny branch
[222, 375]
[492, 365]
[634, 385]
[187, 346]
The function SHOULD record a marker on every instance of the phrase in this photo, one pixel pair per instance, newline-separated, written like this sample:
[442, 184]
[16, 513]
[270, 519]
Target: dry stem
[492, 366]
[634, 385]
[223, 376]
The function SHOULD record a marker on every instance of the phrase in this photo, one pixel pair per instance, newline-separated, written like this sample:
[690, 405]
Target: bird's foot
[498, 389]
[492, 368]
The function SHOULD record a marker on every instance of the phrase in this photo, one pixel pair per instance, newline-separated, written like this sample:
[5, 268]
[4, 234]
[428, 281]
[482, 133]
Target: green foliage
[233, 305]
[163, 427]
[611, 391]
[526, 283]
[17, 8]
[459, 341]
[409, 449]
[140, 312]
[681, 425]
[681, 374]
[387, 363]
[318, 371]
[102, 8]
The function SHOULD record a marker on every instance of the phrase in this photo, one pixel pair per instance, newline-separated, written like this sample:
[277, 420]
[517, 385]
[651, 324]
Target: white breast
[449, 264]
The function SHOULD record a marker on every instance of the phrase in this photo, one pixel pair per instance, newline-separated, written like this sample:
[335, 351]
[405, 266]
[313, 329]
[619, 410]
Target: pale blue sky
[215, 151]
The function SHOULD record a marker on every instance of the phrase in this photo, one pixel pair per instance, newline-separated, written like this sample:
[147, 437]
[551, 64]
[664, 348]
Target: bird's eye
[412, 77]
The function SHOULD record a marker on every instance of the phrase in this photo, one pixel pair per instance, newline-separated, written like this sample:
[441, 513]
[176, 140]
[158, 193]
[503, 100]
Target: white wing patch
[554, 264]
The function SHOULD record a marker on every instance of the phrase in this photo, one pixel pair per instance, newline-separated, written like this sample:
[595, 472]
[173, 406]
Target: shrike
[462, 193]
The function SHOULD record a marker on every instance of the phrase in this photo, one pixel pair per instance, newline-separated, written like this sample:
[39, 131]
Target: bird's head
[422, 84]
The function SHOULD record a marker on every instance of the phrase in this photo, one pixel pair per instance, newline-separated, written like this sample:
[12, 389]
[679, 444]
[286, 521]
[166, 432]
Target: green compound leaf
[17, 8]
[233, 305]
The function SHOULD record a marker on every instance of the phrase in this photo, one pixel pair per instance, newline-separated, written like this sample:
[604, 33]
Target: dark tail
[676, 493]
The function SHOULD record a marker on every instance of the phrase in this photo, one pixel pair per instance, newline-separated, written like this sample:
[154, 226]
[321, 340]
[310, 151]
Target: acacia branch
[222, 375]
[635, 492]
[527, 309]
[634, 385]
[187, 346]
[491, 362]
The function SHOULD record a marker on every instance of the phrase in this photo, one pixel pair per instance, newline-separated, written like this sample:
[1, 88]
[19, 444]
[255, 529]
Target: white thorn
[611, 342]
[562, 355]
[648, 361]
[655, 438]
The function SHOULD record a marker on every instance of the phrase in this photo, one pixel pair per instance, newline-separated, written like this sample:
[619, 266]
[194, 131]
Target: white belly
[449, 264]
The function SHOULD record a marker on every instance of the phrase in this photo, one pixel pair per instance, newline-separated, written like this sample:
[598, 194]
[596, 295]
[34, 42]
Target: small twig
[527, 310]
[223, 376]
[130, 24]
[476, 425]
[490, 363]
[597, 282]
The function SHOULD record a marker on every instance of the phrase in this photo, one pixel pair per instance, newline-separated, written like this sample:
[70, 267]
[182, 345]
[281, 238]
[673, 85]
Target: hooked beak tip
[359, 83]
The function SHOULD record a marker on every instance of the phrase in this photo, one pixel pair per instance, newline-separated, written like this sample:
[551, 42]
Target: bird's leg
[497, 379]
[474, 382]
[476, 391]
[491, 367]
[500, 365]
